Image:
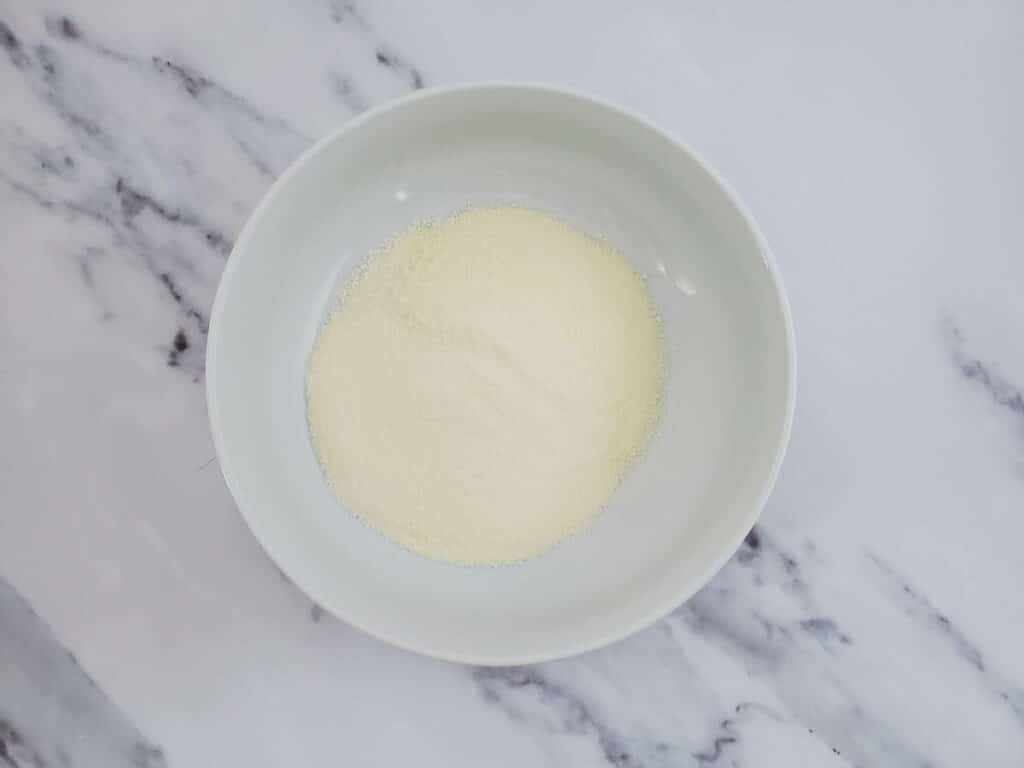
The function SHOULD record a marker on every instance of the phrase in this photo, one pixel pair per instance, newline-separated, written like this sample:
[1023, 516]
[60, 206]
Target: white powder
[484, 384]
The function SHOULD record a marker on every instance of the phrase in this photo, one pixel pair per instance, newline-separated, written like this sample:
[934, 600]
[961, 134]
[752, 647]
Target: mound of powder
[484, 383]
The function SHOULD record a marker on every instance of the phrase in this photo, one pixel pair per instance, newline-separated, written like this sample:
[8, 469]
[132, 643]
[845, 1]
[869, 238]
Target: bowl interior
[681, 511]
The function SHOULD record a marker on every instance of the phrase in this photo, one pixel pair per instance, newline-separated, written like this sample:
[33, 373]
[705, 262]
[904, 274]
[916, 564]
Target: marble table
[873, 618]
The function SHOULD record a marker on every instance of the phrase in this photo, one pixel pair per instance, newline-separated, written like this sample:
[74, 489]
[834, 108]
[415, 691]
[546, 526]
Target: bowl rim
[686, 590]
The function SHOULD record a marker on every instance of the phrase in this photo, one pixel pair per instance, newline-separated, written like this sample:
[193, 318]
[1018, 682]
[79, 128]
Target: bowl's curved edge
[666, 606]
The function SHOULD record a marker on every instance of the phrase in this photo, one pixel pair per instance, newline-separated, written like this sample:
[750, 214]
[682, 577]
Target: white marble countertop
[873, 618]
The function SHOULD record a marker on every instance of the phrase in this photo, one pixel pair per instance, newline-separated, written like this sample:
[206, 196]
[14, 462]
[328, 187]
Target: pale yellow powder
[484, 383]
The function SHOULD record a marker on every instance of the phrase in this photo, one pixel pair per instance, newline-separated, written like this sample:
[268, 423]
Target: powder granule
[484, 383]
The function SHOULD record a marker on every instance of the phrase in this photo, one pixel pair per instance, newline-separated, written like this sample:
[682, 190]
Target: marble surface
[874, 616]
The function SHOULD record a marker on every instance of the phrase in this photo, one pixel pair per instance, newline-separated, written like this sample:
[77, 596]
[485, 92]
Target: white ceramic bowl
[681, 511]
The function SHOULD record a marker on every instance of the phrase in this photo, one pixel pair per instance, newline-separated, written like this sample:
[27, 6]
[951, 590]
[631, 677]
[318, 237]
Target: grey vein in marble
[200, 87]
[739, 611]
[348, 92]
[504, 686]
[769, 564]
[124, 235]
[121, 203]
[920, 610]
[345, 12]
[571, 707]
[1003, 392]
[51, 713]
[51, 177]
